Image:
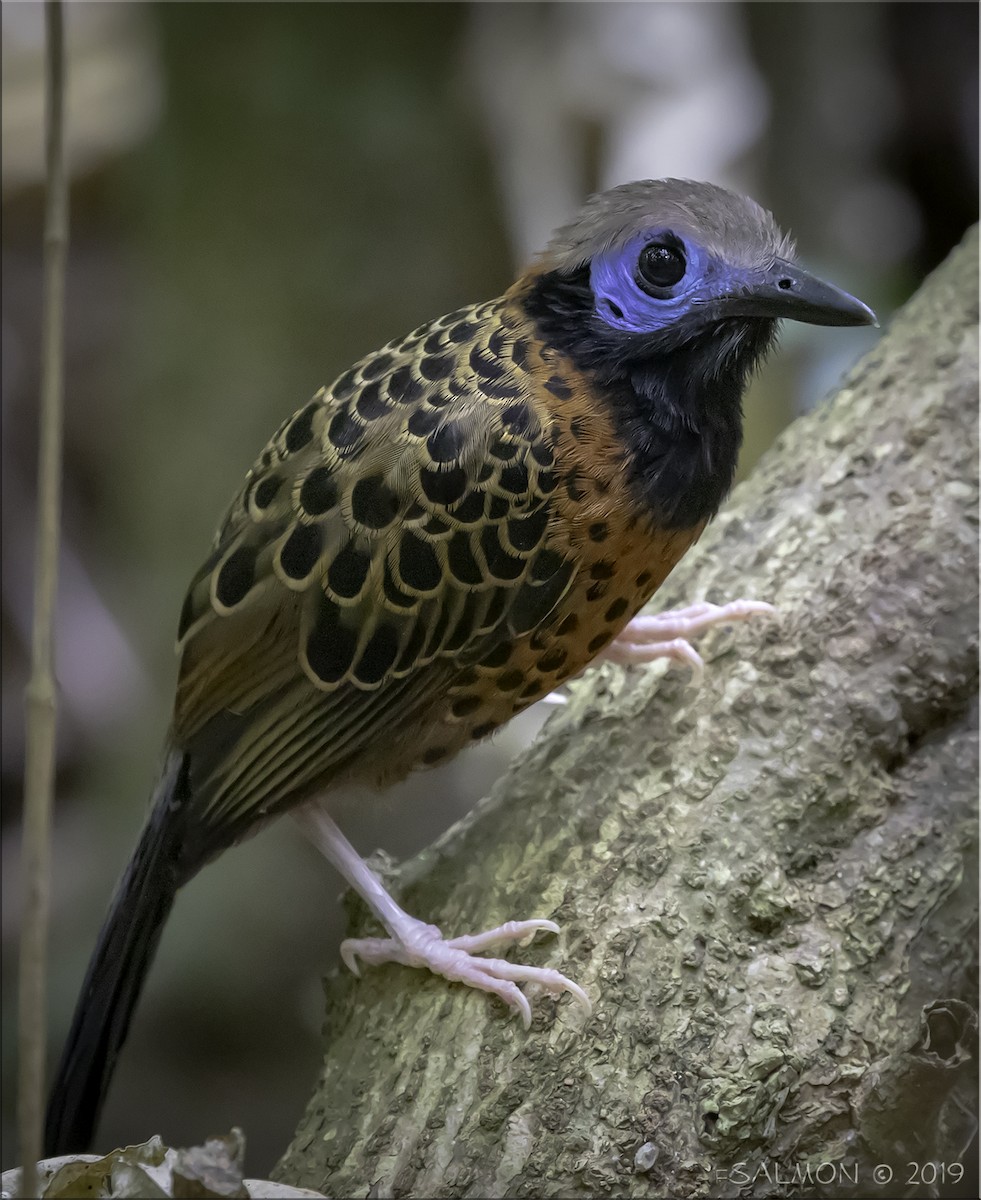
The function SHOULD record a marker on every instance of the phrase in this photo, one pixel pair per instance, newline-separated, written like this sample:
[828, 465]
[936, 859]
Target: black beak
[788, 291]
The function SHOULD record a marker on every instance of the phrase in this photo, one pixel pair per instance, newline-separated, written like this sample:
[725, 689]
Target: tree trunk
[766, 885]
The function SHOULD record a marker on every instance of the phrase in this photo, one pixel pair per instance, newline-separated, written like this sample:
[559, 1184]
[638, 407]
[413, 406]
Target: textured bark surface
[767, 885]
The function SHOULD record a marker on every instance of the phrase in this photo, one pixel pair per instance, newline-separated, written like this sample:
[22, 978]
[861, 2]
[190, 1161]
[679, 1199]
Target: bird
[461, 522]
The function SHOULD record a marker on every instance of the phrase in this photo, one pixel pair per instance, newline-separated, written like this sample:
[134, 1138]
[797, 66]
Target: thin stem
[40, 692]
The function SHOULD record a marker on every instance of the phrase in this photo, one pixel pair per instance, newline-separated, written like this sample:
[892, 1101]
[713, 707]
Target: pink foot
[416, 944]
[666, 635]
[421, 945]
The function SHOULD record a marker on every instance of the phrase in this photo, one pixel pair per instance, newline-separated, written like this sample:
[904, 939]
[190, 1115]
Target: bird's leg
[666, 635]
[415, 944]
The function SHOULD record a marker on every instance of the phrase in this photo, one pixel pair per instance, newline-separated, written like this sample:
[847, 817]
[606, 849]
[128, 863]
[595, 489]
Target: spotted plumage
[457, 524]
[414, 514]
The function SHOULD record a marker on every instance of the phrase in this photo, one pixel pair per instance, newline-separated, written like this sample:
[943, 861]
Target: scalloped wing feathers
[399, 519]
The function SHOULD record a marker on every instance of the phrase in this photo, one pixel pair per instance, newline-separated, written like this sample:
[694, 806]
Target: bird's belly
[619, 572]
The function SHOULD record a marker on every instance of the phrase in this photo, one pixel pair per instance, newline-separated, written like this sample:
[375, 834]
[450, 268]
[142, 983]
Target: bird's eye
[660, 266]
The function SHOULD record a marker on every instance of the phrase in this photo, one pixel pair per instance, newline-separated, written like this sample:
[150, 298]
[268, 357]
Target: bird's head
[666, 294]
[674, 267]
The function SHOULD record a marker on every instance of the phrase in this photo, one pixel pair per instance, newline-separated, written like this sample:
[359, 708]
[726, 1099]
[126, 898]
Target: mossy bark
[767, 885]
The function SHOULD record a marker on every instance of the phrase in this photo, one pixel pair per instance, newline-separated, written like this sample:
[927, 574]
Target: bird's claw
[648, 638]
[422, 945]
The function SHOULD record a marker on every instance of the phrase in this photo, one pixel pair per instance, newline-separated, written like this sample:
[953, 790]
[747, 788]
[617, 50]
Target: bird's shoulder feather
[401, 516]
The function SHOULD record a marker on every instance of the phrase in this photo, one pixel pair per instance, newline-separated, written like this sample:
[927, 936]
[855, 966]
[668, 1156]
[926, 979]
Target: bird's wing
[395, 527]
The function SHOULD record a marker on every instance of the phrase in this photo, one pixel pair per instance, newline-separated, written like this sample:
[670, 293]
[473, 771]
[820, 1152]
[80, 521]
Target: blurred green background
[261, 193]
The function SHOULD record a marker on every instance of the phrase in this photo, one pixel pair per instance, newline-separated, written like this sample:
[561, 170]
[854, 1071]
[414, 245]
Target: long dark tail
[118, 967]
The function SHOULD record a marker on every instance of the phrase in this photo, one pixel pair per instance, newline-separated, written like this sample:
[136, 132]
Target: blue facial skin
[669, 364]
[623, 304]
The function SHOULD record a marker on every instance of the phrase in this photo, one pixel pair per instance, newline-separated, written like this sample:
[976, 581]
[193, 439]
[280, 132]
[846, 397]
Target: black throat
[675, 400]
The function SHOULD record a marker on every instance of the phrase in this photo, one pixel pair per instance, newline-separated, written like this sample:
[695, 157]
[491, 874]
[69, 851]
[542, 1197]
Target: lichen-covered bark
[766, 885]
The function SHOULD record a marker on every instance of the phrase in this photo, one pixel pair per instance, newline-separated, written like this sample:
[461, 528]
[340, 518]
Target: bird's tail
[117, 969]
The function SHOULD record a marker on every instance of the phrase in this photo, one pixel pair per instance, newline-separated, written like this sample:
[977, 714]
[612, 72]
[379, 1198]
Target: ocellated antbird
[463, 520]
